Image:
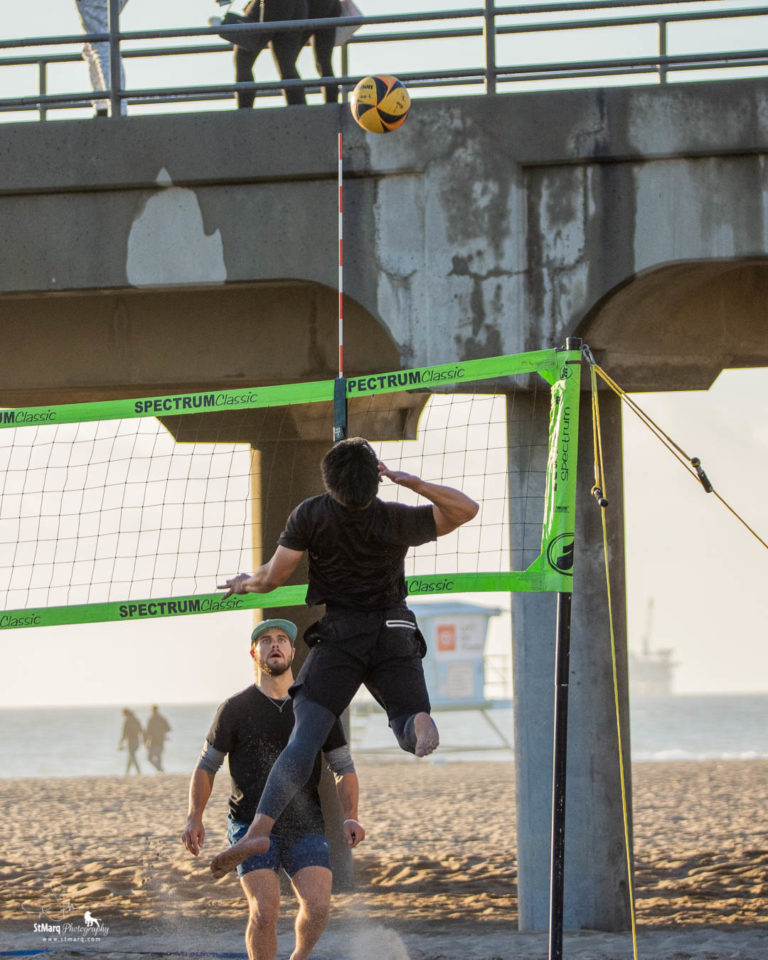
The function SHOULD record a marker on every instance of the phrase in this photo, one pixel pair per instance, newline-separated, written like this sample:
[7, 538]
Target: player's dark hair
[351, 472]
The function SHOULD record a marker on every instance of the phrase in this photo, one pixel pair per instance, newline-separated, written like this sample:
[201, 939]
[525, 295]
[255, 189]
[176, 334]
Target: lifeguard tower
[456, 635]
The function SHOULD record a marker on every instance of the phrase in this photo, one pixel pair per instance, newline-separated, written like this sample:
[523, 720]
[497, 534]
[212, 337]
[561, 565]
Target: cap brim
[287, 626]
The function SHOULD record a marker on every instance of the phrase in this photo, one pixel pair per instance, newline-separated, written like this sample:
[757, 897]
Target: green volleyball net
[125, 510]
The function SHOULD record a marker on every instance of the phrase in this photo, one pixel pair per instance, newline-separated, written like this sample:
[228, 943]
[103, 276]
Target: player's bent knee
[320, 916]
[312, 886]
[402, 727]
[263, 916]
[318, 909]
[262, 892]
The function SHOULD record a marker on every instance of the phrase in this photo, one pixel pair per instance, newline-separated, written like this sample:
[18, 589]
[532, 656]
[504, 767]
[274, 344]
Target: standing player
[357, 546]
[253, 727]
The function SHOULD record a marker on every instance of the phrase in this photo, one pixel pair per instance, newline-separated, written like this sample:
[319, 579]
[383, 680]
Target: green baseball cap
[287, 626]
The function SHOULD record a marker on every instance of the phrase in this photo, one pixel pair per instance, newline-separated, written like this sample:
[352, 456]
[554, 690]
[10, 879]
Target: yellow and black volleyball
[380, 104]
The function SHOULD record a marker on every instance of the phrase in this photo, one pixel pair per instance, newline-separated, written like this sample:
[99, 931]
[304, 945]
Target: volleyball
[380, 104]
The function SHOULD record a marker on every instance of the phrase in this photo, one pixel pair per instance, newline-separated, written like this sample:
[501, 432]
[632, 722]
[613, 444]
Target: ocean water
[82, 741]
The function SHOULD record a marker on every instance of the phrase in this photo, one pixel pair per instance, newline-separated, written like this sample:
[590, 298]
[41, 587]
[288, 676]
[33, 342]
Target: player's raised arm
[271, 575]
[450, 506]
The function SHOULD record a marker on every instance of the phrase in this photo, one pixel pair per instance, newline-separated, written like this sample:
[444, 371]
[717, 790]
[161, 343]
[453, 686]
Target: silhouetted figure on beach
[131, 738]
[155, 733]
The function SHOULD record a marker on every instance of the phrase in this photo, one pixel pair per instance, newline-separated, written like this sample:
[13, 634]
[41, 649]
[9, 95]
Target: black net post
[557, 876]
[559, 761]
[339, 409]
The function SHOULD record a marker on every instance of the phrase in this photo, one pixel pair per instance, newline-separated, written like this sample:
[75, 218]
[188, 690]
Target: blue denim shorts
[292, 853]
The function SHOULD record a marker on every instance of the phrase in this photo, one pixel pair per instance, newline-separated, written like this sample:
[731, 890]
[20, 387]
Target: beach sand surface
[436, 876]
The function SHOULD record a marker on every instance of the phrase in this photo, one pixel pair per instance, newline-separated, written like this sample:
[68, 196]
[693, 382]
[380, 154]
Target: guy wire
[691, 464]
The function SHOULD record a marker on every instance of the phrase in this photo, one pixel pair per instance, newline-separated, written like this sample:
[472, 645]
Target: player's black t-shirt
[356, 556]
[253, 729]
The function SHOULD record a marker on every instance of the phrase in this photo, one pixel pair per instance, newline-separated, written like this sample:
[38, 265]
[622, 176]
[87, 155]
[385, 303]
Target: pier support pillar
[596, 890]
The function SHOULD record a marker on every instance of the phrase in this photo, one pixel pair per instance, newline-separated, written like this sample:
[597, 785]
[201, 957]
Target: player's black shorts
[382, 649]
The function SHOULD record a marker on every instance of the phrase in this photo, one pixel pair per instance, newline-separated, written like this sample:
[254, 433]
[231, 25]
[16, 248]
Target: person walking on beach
[156, 731]
[131, 738]
[253, 727]
[357, 546]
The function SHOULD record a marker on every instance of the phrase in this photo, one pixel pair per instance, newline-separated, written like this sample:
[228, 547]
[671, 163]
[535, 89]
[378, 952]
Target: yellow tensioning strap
[691, 464]
[599, 492]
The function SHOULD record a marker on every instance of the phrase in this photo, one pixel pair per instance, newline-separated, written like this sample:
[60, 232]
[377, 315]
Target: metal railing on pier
[592, 43]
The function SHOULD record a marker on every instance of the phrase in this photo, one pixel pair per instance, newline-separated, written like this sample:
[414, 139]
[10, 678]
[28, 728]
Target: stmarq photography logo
[60, 921]
[88, 930]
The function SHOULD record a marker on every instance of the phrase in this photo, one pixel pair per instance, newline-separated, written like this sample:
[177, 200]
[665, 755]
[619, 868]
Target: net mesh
[107, 511]
[94, 512]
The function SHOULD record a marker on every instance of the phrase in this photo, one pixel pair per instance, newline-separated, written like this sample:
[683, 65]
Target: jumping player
[357, 546]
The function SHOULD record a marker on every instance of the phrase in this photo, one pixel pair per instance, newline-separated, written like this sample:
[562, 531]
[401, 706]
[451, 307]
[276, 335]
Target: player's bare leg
[313, 891]
[255, 841]
[427, 737]
[262, 889]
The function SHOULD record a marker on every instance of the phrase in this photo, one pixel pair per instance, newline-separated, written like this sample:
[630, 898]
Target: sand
[436, 876]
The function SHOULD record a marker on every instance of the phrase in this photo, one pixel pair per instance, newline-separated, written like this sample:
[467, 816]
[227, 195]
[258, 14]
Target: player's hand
[399, 477]
[354, 832]
[193, 837]
[235, 585]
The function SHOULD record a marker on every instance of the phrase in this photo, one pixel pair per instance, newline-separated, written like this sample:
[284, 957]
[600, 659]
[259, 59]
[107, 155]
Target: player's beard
[274, 671]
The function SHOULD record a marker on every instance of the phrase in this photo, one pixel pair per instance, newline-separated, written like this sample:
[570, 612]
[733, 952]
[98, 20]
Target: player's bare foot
[427, 737]
[222, 863]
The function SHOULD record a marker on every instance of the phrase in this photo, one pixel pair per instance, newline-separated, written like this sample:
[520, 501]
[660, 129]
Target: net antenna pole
[560, 755]
[340, 385]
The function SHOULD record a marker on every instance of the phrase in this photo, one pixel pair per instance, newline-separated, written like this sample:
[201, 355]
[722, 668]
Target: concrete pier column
[596, 893]
[283, 474]
[533, 665]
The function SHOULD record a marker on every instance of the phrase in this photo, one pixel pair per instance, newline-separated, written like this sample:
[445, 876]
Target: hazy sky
[704, 572]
